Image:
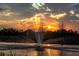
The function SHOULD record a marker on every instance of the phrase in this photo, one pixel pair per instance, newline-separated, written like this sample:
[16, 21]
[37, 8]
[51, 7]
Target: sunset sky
[24, 16]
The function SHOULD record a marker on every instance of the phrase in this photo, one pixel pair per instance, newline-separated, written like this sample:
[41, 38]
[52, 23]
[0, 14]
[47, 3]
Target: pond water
[36, 52]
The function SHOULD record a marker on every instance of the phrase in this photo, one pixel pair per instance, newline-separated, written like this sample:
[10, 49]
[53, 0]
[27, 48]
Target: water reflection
[42, 50]
[30, 52]
[53, 52]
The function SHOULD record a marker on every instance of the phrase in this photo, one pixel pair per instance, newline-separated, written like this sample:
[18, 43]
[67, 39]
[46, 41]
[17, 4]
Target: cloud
[8, 15]
[16, 11]
[77, 15]
[71, 12]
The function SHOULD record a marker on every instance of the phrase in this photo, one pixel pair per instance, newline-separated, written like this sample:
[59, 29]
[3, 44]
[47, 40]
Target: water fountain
[39, 35]
[41, 8]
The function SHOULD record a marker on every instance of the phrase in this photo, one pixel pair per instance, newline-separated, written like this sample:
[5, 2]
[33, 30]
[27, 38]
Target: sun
[49, 24]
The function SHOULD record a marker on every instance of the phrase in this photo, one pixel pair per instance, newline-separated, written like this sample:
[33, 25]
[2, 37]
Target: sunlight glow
[58, 16]
[50, 23]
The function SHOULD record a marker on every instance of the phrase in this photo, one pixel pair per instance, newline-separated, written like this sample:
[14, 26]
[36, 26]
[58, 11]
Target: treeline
[13, 35]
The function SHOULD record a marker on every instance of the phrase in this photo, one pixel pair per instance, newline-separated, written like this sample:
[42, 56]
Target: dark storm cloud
[1, 9]
[60, 7]
[24, 10]
[21, 10]
[73, 17]
[76, 8]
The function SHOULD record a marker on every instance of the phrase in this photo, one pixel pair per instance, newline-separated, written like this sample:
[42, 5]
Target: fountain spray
[41, 8]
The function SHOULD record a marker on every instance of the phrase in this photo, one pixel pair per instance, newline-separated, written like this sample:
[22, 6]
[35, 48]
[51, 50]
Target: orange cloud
[49, 23]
